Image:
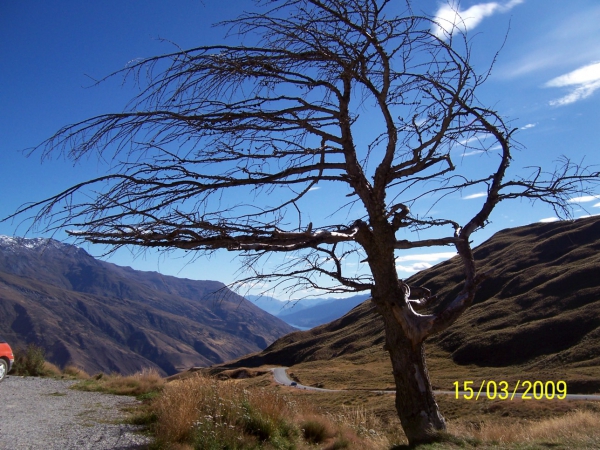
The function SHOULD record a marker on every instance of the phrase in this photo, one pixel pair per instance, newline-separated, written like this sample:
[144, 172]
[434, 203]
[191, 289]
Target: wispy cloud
[413, 268]
[450, 17]
[427, 257]
[549, 219]
[474, 152]
[314, 188]
[477, 195]
[566, 40]
[478, 137]
[528, 126]
[584, 199]
[422, 261]
[582, 82]
[597, 205]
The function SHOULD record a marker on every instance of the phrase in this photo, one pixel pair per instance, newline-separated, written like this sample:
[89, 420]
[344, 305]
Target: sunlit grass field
[245, 409]
[203, 412]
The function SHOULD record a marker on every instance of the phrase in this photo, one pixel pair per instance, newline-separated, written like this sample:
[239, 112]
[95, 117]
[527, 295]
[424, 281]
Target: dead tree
[283, 110]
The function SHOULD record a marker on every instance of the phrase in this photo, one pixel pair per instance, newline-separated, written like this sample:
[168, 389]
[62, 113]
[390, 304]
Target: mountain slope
[540, 307]
[105, 317]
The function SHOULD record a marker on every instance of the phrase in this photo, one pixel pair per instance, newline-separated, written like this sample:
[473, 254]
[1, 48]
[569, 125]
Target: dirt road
[38, 413]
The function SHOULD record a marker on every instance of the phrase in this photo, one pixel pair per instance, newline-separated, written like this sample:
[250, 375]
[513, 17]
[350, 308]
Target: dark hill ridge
[540, 307]
[100, 316]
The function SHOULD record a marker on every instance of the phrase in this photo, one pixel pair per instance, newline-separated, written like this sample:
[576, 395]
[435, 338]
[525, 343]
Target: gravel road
[43, 413]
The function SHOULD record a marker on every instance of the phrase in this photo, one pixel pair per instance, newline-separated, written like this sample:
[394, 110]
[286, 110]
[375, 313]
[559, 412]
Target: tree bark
[415, 403]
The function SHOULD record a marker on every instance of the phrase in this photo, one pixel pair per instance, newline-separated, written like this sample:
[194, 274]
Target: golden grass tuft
[75, 372]
[578, 429]
[51, 370]
[203, 412]
[148, 382]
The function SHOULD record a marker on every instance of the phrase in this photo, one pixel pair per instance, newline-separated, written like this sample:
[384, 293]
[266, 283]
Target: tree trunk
[416, 406]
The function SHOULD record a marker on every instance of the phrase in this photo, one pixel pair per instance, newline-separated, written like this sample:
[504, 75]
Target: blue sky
[546, 81]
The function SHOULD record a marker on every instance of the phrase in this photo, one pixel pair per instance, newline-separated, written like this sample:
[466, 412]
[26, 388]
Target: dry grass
[52, 370]
[578, 429]
[484, 424]
[144, 384]
[201, 412]
[75, 372]
[371, 369]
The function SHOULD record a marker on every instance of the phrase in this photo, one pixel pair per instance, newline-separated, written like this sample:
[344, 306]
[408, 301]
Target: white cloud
[549, 219]
[528, 126]
[450, 17]
[584, 199]
[474, 152]
[477, 195]
[597, 205]
[583, 83]
[478, 137]
[426, 257]
[422, 261]
[413, 268]
[314, 188]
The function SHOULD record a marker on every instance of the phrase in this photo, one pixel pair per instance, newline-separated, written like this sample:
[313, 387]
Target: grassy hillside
[537, 316]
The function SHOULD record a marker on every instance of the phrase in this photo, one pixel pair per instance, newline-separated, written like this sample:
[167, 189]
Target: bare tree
[223, 144]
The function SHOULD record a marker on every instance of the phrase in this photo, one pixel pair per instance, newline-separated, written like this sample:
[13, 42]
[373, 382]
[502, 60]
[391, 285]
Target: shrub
[315, 431]
[30, 362]
[339, 444]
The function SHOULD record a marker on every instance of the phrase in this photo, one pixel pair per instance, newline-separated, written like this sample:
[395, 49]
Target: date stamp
[502, 390]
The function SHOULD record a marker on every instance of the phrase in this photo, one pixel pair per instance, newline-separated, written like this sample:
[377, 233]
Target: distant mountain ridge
[310, 312]
[321, 313]
[104, 317]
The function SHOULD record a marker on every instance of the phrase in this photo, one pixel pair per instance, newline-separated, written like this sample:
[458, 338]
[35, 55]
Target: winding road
[281, 377]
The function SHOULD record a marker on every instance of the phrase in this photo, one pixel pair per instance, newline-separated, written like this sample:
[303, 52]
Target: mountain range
[104, 317]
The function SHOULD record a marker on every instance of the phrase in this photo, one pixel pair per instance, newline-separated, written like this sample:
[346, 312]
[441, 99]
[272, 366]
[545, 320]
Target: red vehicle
[6, 358]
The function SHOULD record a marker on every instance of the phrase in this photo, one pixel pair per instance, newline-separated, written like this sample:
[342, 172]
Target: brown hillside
[103, 317]
[540, 309]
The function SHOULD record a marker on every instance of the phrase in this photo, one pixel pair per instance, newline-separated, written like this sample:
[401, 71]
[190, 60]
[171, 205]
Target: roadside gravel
[43, 413]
